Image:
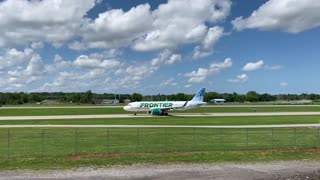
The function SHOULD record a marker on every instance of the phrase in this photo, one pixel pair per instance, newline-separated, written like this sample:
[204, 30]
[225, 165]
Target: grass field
[259, 120]
[43, 148]
[90, 111]
[35, 142]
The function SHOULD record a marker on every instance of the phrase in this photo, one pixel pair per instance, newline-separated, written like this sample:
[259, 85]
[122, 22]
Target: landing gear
[135, 113]
[158, 112]
[164, 113]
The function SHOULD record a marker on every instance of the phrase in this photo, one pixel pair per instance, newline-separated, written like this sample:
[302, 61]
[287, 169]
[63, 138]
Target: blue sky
[160, 46]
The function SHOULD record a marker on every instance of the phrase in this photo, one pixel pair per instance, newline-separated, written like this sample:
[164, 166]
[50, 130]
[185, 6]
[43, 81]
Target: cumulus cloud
[206, 47]
[37, 21]
[84, 61]
[37, 45]
[21, 68]
[201, 74]
[116, 28]
[286, 15]
[168, 26]
[166, 57]
[43, 24]
[35, 66]
[198, 76]
[242, 78]
[14, 57]
[253, 66]
[94, 70]
[168, 82]
[181, 22]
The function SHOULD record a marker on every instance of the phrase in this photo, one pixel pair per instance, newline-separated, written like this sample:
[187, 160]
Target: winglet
[199, 96]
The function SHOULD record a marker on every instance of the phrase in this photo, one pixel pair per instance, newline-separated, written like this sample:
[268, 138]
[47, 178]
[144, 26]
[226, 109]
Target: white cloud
[253, 66]
[14, 57]
[168, 26]
[198, 76]
[242, 78]
[84, 61]
[201, 74]
[284, 84]
[22, 68]
[37, 45]
[103, 74]
[181, 22]
[168, 82]
[35, 66]
[116, 28]
[36, 21]
[166, 57]
[220, 66]
[275, 67]
[174, 58]
[206, 47]
[292, 16]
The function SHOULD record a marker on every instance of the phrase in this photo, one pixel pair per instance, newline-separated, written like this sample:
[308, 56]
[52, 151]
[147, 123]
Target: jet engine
[156, 111]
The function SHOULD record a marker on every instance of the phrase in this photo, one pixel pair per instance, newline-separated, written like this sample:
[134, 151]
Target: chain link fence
[34, 142]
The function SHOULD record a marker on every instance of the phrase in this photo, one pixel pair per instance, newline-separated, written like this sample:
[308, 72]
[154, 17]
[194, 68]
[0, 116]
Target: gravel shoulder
[240, 171]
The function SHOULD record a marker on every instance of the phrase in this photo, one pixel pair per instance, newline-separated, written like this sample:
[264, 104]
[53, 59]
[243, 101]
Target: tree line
[15, 98]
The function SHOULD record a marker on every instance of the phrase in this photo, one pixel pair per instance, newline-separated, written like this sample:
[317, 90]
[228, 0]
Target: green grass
[259, 120]
[58, 142]
[157, 158]
[88, 111]
[60, 111]
[34, 148]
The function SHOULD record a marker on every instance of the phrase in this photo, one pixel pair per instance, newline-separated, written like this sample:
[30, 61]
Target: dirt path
[249, 171]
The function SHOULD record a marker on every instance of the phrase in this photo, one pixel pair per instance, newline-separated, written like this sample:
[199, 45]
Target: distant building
[106, 101]
[127, 101]
[47, 101]
[218, 101]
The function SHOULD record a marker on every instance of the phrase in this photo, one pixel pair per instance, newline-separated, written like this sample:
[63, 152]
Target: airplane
[162, 107]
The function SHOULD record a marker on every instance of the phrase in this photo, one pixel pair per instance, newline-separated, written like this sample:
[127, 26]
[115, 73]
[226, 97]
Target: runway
[150, 116]
[58, 107]
[163, 126]
[121, 106]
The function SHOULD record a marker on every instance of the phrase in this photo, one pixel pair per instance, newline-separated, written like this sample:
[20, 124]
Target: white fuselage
[164, 105]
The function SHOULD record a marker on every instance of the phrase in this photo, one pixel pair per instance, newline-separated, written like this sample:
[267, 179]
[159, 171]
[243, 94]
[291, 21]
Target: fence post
[295, 138]
[138, 139]
[247, 138]
[76, 142]
[166, 139]
[194, 139]
[8, 147]
[220, 137]
[108, 141]
[272, 138]
[318, 138]
[42, 143]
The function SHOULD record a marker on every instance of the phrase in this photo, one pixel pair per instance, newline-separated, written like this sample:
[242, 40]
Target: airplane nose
[126, 108]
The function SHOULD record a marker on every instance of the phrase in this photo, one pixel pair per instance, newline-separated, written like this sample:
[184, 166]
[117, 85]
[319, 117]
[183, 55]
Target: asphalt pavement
[148, 115]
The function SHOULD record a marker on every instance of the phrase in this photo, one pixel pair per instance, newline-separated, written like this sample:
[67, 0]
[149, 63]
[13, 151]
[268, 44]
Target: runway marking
[146, 115]
[164, 126]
